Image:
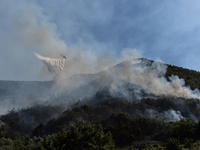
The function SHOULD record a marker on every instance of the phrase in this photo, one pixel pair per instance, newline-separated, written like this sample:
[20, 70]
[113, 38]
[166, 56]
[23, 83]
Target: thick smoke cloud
[35, 32]
[150, 78]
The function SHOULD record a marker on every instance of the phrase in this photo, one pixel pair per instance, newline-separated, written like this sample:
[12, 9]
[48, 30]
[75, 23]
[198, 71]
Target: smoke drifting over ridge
[36, 33]
[151, 78]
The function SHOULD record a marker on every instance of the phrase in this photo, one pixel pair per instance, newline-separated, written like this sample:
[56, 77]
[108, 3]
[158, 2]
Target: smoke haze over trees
[116, 106]
[105, 94]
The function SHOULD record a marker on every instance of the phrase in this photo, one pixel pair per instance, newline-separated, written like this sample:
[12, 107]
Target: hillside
[131, 113]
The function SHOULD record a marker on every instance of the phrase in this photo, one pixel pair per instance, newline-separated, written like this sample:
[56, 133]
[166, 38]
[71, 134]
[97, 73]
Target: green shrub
[83, 136]
[183, 129]
[173, 144]
[6, 142]
[143, 146]
[188, 143]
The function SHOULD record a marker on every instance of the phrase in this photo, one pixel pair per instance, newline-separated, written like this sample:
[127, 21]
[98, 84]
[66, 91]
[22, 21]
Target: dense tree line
[127, 122]
[78, 136]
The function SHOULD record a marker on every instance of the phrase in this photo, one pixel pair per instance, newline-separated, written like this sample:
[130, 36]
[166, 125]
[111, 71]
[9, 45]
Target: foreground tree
[83, 136]
[173, 144]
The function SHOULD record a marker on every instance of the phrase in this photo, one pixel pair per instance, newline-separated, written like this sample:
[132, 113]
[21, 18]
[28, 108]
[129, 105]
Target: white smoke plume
[55, 66]
[170, 114]
[151, 78]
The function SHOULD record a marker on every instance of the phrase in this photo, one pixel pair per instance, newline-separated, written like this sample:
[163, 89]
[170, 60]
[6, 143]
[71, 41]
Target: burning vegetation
[111, 105]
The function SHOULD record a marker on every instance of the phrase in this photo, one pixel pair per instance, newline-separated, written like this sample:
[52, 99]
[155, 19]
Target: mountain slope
[132, 80]
[137, 78]
[116, 98]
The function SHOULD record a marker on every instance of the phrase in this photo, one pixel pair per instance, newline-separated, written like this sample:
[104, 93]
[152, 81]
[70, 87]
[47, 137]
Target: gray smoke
[35, 32]
[151, 78]
[170, 115]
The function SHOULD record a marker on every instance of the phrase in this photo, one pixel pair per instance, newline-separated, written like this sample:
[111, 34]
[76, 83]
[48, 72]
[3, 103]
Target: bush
[183, 129]
[124, 129]
[173, 144]
[188, 143]
[143, 146]
[83, 136]
[5, 142]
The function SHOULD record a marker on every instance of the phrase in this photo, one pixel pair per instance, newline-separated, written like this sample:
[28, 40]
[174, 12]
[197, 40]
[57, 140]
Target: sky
[168, 30]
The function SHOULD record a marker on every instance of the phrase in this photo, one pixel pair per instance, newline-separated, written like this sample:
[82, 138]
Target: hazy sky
[168, 30]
